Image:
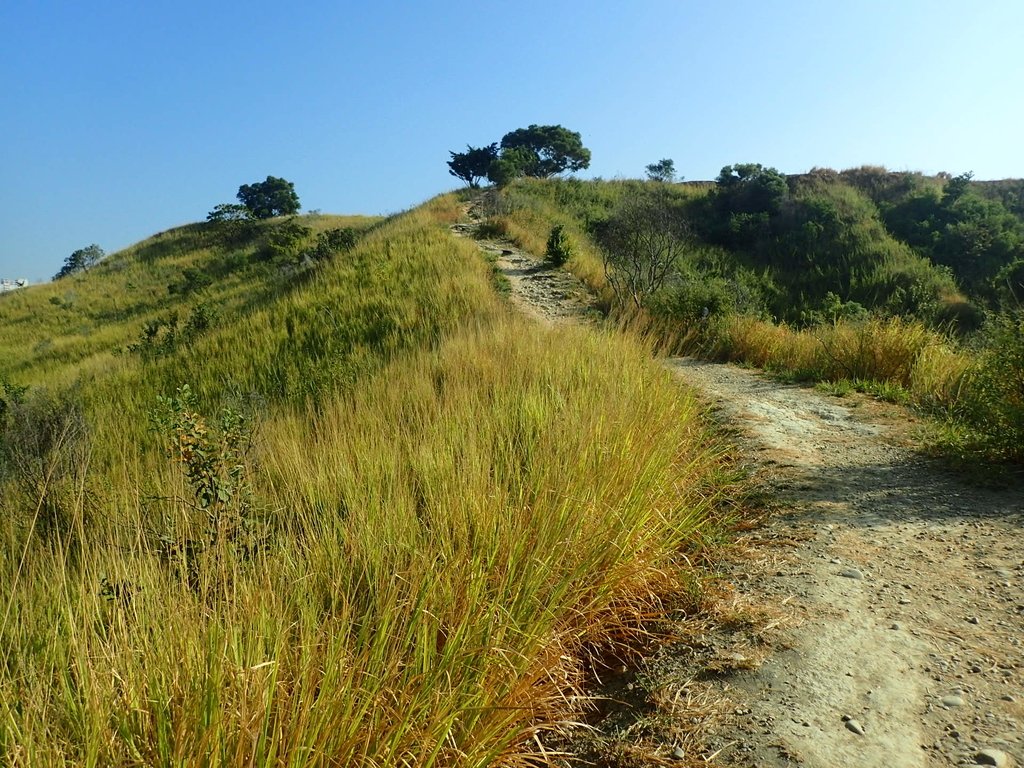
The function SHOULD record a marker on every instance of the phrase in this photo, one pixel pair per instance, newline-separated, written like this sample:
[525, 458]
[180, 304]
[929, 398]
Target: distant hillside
[802, 248]
[54, 331]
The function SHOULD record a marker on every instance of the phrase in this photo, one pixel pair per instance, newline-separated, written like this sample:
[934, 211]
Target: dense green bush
[995, 395]
[957, 226]
[559, 248]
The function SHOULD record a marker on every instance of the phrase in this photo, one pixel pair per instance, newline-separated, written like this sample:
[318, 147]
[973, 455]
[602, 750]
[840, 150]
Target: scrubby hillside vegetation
[304, 491]
[905, 285]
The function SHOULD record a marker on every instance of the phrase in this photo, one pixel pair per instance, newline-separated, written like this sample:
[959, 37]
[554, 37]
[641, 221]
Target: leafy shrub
[995, 392]
[559, 248]
[164, 335]
[283, 242]
[212, 457]
[230, 224]
[192, 280]
[332, 242]
[694, 299]
[833, 309]
[10, 395]
[960, 316]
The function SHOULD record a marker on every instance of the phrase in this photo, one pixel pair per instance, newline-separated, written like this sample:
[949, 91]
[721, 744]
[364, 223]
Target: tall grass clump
[885, 350]
[976, 396]
[454, 537]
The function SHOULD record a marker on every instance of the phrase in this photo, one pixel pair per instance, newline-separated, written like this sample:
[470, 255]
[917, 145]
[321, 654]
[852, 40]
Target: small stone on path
[856, 727]
[678, 753]
[952, 701]
[851, 573]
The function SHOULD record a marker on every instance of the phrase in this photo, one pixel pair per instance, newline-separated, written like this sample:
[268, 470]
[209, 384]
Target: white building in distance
[11, 285]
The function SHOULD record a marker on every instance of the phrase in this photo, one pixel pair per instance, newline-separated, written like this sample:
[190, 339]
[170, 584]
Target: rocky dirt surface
[898, 590]
[548, 294]
[880, 614]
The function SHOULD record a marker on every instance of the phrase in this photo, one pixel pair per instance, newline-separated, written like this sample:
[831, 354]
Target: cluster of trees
[818, 238]
[286, 240]
[980, 239]
[827, 244]
[539, 151]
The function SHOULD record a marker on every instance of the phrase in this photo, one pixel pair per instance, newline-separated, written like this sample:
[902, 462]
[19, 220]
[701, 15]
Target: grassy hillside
[268, 508]
[52, 330]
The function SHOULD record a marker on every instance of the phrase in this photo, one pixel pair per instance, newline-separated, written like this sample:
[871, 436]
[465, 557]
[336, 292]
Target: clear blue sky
[121, 119]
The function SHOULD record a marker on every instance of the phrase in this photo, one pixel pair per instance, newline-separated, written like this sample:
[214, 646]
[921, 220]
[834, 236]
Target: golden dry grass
[450, 507]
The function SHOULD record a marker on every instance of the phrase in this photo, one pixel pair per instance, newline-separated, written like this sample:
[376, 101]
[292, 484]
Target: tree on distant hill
[663, 170]
[539, 151]
[266, 199]
[744, 206]
[228, 212]
[80, 261]
[473, 164]
[750, 188]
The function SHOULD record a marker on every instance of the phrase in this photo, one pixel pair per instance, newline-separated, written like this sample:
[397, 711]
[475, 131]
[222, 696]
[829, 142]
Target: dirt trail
[898, 589]
[903, 592]
[548, 294]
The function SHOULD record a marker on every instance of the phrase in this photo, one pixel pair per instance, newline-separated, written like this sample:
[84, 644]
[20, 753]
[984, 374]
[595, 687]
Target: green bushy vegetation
[975, 229]
[362, 516]
[905, 285]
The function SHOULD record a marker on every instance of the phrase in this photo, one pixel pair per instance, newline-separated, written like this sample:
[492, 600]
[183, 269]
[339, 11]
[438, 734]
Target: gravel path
[550, 295]
[896, 590]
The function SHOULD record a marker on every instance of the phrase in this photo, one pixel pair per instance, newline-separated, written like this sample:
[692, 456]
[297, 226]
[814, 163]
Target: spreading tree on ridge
[266, 199]
[663, 170]
[473, 164]
[539, 151]
[547, 150]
